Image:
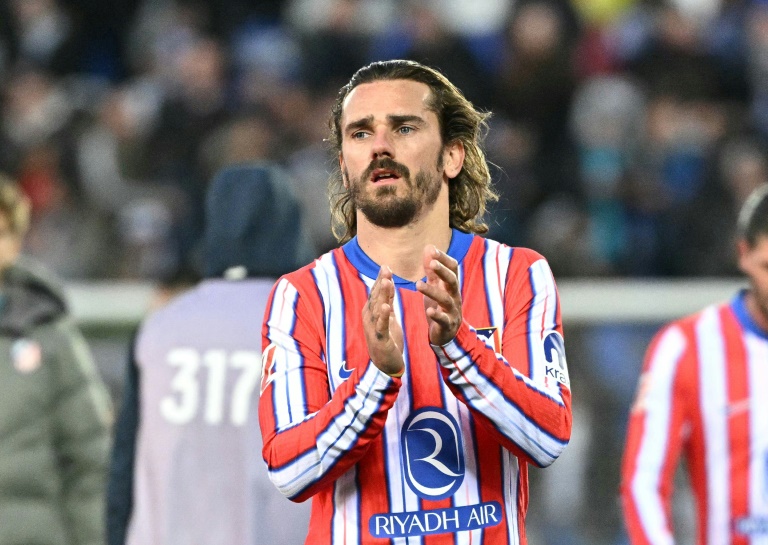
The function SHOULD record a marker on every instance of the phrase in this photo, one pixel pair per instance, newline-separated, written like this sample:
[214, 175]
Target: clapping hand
[442, 296]
[383, 333]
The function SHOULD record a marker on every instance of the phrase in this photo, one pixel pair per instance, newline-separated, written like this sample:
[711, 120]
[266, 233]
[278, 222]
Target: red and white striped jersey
[703, 394]
[439, 456]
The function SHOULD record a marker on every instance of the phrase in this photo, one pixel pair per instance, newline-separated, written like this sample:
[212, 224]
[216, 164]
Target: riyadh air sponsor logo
[432, 452]
[345, 372]
[554, 353]
[435, 521]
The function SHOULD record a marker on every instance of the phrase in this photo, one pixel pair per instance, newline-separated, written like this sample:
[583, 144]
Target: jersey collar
[458, 248]
[739, 308]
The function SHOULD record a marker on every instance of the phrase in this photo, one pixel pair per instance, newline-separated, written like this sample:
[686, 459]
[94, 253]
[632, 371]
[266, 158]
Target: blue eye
[405, 129]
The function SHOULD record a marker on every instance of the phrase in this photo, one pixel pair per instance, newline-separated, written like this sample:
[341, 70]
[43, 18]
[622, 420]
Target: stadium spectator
[186, 465]
[55, 412]
[379, 400]
[701, 395]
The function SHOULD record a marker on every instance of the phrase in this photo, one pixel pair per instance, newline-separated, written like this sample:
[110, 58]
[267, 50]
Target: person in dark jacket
[55, 411]
[186, 464]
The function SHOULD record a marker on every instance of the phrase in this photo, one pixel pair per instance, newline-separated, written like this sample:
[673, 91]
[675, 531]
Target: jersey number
[188, 383]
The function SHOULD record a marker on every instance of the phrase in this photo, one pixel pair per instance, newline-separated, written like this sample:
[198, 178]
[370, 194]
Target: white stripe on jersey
[484, 396]
[327, 281]
[510, 474]
[346, 509]
[468, 492]
[542, 316]
[645, 483]
[714, 400]
[757, 357]
[496, 265]
[287, 394]
[401, 496]
[337, 438]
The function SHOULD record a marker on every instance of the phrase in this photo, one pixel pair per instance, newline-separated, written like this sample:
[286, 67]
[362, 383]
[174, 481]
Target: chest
[25, 382]
[346, 347]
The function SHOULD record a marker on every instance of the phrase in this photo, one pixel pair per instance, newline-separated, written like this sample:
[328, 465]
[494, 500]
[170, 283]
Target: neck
[758, 313]
[401, 248]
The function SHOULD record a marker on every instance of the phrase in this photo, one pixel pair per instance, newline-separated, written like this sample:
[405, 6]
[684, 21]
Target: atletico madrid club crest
[26, 355]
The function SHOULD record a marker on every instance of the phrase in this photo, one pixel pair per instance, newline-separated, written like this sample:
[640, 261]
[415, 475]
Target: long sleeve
[310, 436]
[120, 485]
[656, 434]
[82, 418]
[522, 394]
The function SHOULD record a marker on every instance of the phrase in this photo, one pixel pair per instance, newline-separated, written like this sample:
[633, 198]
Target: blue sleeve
[120, 485]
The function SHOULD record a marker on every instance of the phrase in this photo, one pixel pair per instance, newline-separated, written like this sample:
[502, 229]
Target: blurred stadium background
[625, 136]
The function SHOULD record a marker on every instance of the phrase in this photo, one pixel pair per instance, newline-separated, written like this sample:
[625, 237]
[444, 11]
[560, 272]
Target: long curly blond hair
[469, 191]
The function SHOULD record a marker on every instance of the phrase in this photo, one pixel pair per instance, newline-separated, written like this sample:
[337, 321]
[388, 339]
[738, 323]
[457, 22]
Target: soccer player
[703, 393]
[186, 465]
[412, 375]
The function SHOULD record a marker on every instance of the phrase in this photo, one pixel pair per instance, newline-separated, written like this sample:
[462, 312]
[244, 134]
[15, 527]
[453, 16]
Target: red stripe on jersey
[522, 499]
[474, 287]
[738, 420]
[515, 340]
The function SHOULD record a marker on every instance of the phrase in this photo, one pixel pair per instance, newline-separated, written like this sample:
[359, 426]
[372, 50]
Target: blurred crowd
[625, 133]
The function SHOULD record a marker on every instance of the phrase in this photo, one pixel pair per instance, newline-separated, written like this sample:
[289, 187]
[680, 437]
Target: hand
[442, 296]
[383, 334]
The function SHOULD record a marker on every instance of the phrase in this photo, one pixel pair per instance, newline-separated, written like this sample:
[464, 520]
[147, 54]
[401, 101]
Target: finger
[447, 260]
[395, 331]
[443, 319]
[427, 257]
[436, 293]
[382, 322]
[446, 275]
[375, 293]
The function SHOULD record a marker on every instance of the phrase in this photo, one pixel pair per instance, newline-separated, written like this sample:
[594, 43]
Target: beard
[383, 207]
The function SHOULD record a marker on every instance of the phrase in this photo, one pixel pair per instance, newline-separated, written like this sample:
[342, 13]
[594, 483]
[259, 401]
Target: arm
[529, 414]
[311, 437]
[654, 440]
[120, 485]
[82, 414]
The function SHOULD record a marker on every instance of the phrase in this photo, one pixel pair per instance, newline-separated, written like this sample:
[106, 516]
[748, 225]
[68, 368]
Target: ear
[453, 159]
[342, 169]
[743, 250]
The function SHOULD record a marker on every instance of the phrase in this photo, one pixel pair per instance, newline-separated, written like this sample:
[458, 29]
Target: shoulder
[306, 279]
[693, 324]
[680, 336]
[489, 248]
[513, 263]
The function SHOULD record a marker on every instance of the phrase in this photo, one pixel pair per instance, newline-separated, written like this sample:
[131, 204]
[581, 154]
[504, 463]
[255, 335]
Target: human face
[753, 260]
[387, 133]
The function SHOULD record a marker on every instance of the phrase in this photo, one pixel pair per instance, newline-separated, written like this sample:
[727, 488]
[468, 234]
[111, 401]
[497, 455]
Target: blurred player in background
[703, 394]
[411, 375]
[55, 411]
[187, 465]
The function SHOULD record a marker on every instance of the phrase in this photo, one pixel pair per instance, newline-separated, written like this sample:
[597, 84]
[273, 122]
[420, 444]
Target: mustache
[386, 163]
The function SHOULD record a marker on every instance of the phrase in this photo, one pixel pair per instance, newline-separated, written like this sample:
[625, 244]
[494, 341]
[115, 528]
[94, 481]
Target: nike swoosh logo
[343, 371]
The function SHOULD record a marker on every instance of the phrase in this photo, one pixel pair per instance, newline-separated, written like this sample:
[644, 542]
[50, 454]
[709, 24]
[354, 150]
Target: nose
[382, 144]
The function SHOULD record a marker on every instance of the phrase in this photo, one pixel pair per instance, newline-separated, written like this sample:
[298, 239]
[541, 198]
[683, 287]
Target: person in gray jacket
[55, 411]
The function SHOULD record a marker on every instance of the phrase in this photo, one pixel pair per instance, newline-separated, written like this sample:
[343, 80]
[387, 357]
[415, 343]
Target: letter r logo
[433, 453]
